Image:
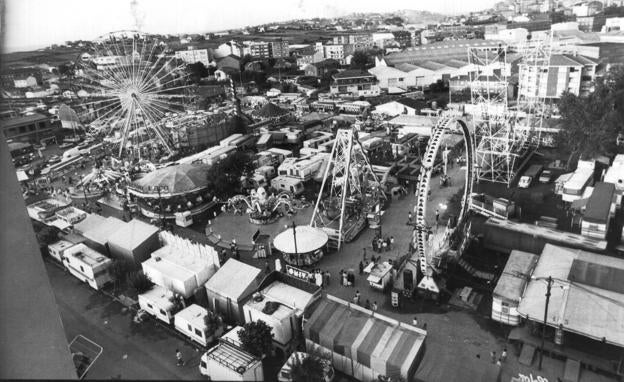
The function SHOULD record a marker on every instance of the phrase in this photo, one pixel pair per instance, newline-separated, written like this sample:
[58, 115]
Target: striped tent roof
[387, 349]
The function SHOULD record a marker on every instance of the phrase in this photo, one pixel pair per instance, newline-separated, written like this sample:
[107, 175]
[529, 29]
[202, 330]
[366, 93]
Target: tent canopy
[387, 349]
[173, 180]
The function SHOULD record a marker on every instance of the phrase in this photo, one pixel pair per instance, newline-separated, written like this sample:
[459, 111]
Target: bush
[256, 338]
[140, 282]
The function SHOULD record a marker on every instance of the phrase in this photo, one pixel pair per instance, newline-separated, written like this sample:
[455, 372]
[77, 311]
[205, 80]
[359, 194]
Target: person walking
[503, 357]
[409, 218]
[327, 277]
[180, 360]
[493, 356]
[374, 307]
[415, 321]
[356, 298]
[384, 245]
[364, 254]
[367, 304]
[437, 217]
[361, 266]
[344, 278]
[391, 242]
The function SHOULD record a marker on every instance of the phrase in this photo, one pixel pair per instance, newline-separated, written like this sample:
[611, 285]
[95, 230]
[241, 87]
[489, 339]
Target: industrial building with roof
[30, 128]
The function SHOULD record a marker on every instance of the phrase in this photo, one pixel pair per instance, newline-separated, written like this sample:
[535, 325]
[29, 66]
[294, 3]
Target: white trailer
[88, 265]
[57, 250]
[229, 362]
[190, 322]
[157, 302]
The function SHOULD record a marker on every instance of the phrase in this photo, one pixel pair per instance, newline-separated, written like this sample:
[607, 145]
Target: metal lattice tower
[349, 177]
[495, 155]
[532, 89]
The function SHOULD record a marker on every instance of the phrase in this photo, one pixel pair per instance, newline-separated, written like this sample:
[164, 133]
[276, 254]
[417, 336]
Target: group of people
[347, 279]
[383, 244]
[320, 278]
[367, 304]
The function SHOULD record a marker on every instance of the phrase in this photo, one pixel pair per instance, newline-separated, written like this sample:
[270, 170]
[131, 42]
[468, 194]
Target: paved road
[131, 351]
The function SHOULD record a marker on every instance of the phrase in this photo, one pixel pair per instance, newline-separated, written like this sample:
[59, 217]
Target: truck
[530, 176]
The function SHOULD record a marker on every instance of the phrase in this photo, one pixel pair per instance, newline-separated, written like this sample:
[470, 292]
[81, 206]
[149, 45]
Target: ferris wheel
[128, 82]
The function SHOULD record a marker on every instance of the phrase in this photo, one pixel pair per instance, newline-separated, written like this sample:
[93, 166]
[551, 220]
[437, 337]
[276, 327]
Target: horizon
[88, 20]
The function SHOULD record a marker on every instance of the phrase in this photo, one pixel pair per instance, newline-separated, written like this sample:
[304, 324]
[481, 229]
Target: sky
[33, 24]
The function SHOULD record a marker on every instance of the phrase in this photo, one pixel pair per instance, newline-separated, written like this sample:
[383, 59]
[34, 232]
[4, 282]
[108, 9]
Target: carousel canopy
[173, 180]
[309, 239]
[271, 110]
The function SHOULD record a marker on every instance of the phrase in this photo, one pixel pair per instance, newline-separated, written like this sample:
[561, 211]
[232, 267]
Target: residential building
[231, 48]
[566, 73]
[592, 23]
[356, 83]
[259, 49]
[278, 48]
[309, 55]
[380, 38]
[359, 41]
[229, 63]
[321, 69]
[30, 128]
[20, 78]
[404, 38]
[191, 56]
[334, 52]
[408, 106]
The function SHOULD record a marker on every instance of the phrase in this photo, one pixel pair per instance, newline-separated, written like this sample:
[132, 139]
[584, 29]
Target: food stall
[379, 275]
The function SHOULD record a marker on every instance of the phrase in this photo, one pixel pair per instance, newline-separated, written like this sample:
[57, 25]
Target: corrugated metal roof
[599, 203]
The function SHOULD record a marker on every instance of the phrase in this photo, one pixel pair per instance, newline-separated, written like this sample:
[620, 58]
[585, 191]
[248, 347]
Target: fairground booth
[172, 191]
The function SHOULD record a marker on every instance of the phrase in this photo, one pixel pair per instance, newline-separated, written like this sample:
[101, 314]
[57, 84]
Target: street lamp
[161, 212]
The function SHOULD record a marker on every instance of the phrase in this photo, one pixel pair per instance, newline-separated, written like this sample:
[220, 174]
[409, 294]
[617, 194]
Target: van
[530, 176]
[287, 184]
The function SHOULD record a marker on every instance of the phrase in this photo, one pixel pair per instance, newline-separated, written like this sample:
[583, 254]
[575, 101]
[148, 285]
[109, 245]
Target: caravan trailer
[287, 184]
[88, 265]
[190, 322]
[157, 302]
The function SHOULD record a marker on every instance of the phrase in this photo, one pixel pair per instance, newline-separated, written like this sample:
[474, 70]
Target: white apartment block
[192, 56]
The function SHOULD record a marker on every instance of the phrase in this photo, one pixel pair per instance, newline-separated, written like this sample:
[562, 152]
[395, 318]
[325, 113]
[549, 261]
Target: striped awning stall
[387, 349]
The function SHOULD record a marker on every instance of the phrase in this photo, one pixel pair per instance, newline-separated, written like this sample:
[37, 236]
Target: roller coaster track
[424, 250]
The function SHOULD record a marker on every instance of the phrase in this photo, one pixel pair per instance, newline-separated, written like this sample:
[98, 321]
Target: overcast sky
[37, 23]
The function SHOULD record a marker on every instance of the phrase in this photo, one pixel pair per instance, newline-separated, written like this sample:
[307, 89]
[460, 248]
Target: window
[82, 269]
[42, 125]
[31, 127]
[150, 306]
[22, 129]
[190, 328]
[199, 333]
[202, 364]
[292, 189]
[163, 312]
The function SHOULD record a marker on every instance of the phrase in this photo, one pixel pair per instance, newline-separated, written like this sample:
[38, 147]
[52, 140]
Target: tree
[591, 124]
[256, 338]
[244, 61]
[140, 282]
[224, 176]
[213, 322]
[359, 60]
[198, 71]
[307, 368]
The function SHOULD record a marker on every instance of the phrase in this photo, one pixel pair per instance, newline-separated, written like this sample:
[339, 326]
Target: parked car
[546, 176]
[54, 159]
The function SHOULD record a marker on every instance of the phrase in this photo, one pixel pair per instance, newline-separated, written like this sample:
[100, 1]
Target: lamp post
[294, 226]
[161, 212]
[550, 280]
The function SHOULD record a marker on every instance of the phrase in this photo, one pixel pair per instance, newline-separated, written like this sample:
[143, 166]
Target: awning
[374, 278]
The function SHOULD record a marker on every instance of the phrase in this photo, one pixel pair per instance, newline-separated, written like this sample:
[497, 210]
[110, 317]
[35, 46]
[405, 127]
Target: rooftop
[352, 73]
[133, 234]
[193, 313]
[221, 282]
[27, 119]
[599, 203]
[585, 298]
[515, 275]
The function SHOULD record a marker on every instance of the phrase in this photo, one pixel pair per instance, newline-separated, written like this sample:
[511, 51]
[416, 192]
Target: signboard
[298, 273]
[528, 378]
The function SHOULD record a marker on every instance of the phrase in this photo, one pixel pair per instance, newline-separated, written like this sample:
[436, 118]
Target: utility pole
[294, 227]
[550, 280]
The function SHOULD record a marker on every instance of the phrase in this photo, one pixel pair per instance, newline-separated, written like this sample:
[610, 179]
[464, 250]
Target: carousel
[95, 184]
[173, 191]
[301, 245]
[261, 207]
